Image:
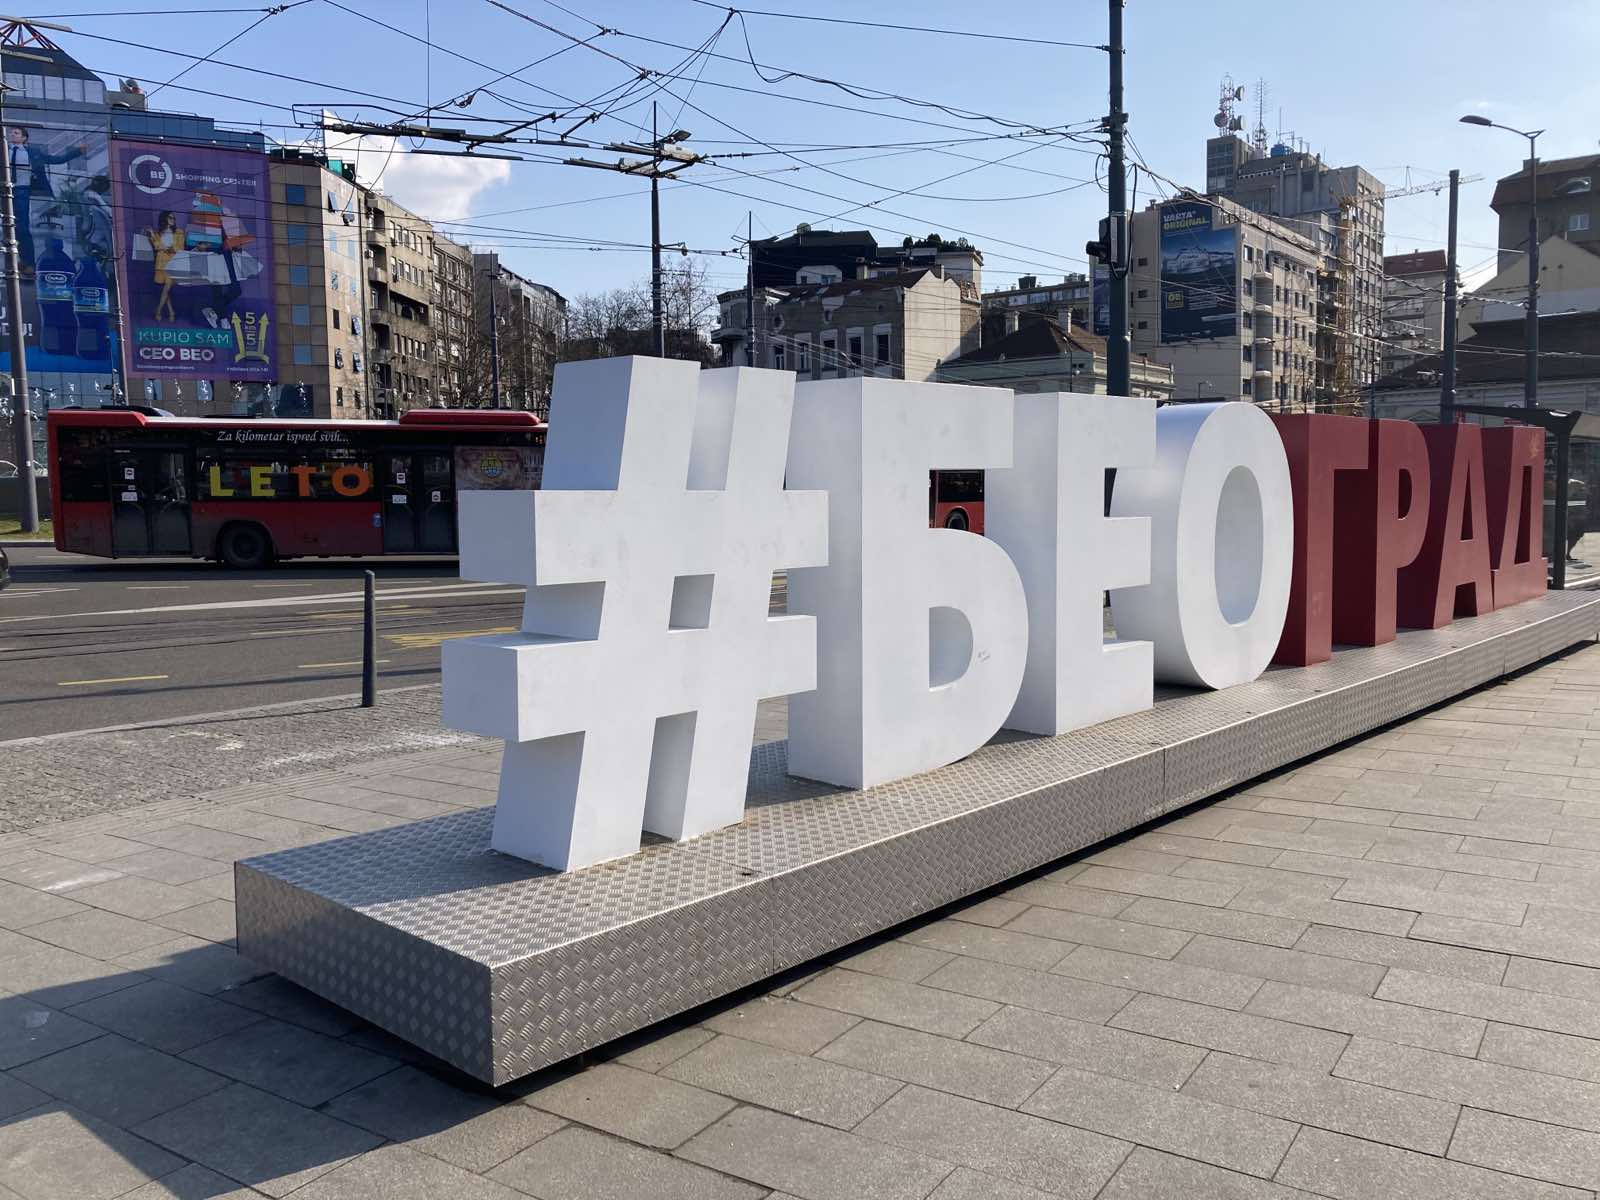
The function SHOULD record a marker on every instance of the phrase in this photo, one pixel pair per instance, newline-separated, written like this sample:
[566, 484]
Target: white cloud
[440, 187]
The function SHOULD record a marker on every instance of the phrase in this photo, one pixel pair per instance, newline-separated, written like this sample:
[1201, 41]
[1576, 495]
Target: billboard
[1199, 275]
[64, 249]
[195, 245]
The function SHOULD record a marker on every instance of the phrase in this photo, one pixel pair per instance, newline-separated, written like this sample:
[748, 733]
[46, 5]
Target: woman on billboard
[167, 241]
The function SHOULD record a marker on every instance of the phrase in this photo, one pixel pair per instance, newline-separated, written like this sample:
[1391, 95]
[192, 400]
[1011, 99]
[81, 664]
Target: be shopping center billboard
[194, 236]
[1199, 275]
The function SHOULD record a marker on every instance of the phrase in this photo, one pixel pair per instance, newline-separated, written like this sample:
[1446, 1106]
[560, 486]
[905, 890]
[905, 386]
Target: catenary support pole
[1530, 383]
[658, 330]
[21, 412]
[369, 642]
[1117, 345]
[750, 291]
[494, 335]
[1447, 381]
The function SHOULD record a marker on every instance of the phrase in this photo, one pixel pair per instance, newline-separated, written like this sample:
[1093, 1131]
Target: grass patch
[11, 529]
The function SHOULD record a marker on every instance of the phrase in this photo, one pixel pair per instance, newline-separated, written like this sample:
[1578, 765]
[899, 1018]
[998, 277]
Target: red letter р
[1383, 519]
[1513, 470]
[1451, 578]
[1318, 446]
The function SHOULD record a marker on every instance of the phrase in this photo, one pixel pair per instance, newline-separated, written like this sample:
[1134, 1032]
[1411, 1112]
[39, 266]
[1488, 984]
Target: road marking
[431, 641]
[280, 632]
[119, 679]
[158, 587]
[35, 592]
[465, 592]
[355, 662]
[305, 583]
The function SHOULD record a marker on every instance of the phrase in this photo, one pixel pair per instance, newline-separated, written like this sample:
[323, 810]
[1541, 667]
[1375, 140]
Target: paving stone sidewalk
[1374, 976]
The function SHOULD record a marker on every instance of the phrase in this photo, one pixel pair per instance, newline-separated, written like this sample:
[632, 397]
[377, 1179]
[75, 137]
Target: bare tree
[606, 324]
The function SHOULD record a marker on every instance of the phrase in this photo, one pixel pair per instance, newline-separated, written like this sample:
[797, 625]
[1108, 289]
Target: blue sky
[1379, 84]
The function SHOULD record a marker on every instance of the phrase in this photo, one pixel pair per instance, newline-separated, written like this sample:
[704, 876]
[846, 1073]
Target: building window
[300, 314]
[1578, 222]
[1144, 324]
[803, 357]
[1144, 262]
[882, 347]
[828, 354]
[1244, 387]
[302, 355]
[1142, 294]
[1246, 352]
[777, 358]
[300, 276]
[855, 349]
[295, 233]
[338, 397]
[294, 193]
[336, 318]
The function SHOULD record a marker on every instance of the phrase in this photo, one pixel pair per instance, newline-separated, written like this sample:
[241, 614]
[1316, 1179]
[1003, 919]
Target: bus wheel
[956, 519]
[244, 547]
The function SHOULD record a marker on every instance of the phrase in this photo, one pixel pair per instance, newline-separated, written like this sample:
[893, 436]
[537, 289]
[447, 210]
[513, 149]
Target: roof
[847, 287]
[1554, 173]
[1569, 348]
[1042, 338]
[1418, 262]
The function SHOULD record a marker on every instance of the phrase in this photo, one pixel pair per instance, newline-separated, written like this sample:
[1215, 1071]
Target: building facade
[521, 326]
[400, 307]
[453, 320]
[1569, 281]
[1413, 307]
[1227, 300]
[1041, 355]
[1069, 303]
[1568, 205]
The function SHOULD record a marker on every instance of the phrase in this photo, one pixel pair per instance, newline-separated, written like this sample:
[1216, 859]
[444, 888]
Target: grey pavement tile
[1135, 858]
[1163, 887]
[257, 1138]
[1556, 1054]
[1510, 1144]
[1510, 831]
[1348, 1168]
[274, 996]
[118, 1080]
[579, 1164]
[1319, 810]
[1306, 902]
[99, 934]
[22, 906]
[1368, 1017]
[1575, 945]
[1112, 933]
[91, 847]
[1455, 961]
[16, 1096]
[198, 840]
[1069, 898]
[132, 896]
[30, 1031]
[1253, 876]
[1431, 900]
[1179, 980]
[930, 1009]
[1474, 1082]
[994, 911]
[1234, 1032]
[963, 1068]
[632, 1104]
[212, 921]
[212, 887]
[1286, 966]
[52, 873]
[1009, 984]
[193, 963]
[1314, 1098]
[1221, 922]
[1099, 1048]
[317, 812]
[192, 1182]
[651, 1049]
[779, 1021]
[1455, 861]
[170, 866]
[895, 960]
[289, 1061]
[1513, 1006]
[61, 978]
[826, 1091]
[1151, 1175]
[1561, 979]
[983, 941]
[15, 945]
[1364, 869]
[164, 1016]
[56, 1152]
[1164, 1120]
[1028, 1150]
[1170, 841]
[472, 1131]
[1529, 855]
[399, 1173]
[809, 1160]
[966, 1184]
[1347, 841]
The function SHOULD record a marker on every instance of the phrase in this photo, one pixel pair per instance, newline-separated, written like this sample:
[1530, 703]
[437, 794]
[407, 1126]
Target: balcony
[377, 275]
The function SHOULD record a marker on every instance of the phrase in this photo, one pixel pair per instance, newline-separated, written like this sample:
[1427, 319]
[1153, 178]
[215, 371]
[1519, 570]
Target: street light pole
[1447, 382]
[1118, 346]
[21, 409]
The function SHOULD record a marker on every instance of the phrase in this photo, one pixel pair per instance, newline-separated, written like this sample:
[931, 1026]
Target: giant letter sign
[1513, 471]
[1450, 577]
[921, 633]
[1318, 447]
[1047, 513]
[1384, 510]
[1221, 544]
[628, 699]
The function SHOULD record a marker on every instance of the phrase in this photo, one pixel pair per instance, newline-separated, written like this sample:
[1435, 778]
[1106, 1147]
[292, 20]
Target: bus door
[419, 503]
[149, 502]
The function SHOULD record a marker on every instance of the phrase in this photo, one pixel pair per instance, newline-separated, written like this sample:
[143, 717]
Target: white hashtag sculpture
[628, 700]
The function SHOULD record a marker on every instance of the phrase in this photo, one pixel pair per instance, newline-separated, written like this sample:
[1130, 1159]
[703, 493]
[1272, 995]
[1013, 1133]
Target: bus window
[960, 487]
[82, 463]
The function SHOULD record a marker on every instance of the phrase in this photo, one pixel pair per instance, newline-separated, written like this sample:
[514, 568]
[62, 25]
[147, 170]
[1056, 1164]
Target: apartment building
[1413, 307]
[1567, 205]
[520, 326]
[1068, 302]
[400, 257]
[453, 321]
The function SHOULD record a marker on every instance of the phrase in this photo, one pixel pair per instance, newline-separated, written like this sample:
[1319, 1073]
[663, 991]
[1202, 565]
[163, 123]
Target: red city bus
[128, 482]
[955, 500]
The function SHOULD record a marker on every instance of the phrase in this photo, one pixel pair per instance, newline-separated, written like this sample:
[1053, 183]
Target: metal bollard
[369, 646]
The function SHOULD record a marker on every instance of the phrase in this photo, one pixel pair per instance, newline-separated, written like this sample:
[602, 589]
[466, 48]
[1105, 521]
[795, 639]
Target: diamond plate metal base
[501, 967]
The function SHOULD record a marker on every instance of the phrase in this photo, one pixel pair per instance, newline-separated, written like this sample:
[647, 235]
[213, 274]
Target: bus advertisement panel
[193, 227]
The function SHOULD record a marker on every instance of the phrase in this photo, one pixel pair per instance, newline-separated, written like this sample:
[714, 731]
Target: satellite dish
[1236, 124]
[1238, 93]
[1220, 120]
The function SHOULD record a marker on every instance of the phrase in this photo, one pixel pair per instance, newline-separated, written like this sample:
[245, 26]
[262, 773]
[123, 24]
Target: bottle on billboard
[58, 328]
[91, 306]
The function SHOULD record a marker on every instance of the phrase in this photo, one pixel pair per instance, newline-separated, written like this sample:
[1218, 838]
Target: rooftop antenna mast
[1227, 119]
[1258, 135]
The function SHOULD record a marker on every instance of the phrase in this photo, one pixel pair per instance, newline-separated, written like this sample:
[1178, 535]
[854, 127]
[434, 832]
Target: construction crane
[1435, 187]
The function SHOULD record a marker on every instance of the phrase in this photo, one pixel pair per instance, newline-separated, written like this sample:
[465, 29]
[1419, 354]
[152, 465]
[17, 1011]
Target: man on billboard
[30, 176]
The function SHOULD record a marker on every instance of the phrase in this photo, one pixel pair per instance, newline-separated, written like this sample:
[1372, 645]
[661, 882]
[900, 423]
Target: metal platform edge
[500, 1021]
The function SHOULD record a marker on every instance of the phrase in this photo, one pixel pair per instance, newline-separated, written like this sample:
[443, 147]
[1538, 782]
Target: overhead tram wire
[997, 37]
[265, 16]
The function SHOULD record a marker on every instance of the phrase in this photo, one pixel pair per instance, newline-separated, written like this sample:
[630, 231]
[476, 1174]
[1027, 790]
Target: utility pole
[1447, 382]
[658, 328]
[1117, 345]
[1530, 382]
[21, 412]
[750, 291]
[494, 335]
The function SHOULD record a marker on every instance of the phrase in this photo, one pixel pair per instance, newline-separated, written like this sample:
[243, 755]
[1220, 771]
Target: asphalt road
[86, 642]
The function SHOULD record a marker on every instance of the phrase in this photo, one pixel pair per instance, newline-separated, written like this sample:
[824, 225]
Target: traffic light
[1111, 247]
